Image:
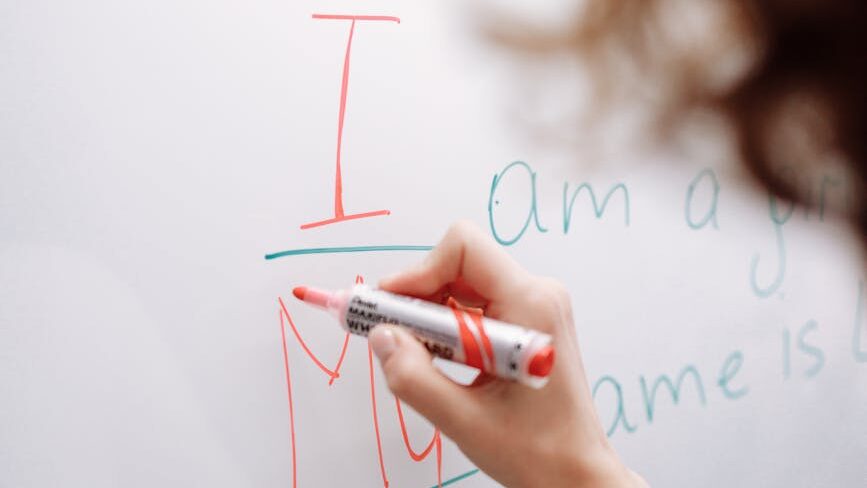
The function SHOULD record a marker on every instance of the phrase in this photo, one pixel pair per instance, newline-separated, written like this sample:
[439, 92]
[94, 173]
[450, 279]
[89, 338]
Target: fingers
[468, 265]
[413, 378]
[466, 256]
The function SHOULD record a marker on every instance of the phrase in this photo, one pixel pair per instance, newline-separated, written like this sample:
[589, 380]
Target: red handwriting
[289, 394]
[435, 440]
[376, 417]
[339, 214]
[333, 374]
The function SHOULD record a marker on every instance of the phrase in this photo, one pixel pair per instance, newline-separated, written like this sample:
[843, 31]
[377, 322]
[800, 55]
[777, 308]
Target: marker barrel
[453, 333]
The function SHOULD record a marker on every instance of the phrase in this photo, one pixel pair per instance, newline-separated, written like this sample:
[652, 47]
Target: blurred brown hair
[797, 101]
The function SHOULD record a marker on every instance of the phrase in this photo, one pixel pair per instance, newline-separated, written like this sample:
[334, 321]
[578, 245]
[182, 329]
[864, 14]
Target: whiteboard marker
[458, 334]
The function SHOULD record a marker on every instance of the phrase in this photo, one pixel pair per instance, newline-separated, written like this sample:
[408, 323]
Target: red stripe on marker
[471, 347]
[489, 350]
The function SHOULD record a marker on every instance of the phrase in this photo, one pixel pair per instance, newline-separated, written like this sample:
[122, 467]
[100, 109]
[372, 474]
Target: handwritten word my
[333, 374]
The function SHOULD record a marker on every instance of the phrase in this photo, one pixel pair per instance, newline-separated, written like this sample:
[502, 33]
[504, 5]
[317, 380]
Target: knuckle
[551, 301]
[461, 229]
[463, 225]
[561, 293]
[555, 291]
[541, 301]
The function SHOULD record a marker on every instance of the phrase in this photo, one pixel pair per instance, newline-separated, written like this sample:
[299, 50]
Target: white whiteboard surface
[152, 154]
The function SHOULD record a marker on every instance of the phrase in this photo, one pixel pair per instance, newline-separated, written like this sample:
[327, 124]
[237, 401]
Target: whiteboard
[152, 154]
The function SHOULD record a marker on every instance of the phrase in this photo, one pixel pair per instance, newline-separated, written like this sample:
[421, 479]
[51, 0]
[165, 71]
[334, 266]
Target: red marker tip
[313, 296]
[542, 362]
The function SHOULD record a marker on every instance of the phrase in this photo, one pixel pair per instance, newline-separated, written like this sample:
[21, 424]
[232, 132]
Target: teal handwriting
[526, 177]
[598, 210]
[532, 210]
[805, 348]
[620, 416]
[349, 249]
[457, 478]
[710, 214]
[811, 350]
[778, 221]
[726, 380]
[729, 370]
[673, 389]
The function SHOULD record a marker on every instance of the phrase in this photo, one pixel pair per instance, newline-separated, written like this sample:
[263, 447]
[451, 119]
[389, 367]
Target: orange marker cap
[542, 362]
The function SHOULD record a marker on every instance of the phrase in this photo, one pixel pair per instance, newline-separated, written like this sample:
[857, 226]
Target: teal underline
[458, 478]
[335, 250]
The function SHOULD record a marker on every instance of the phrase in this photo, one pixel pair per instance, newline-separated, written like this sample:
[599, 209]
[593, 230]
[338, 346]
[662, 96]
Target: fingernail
[383, 342]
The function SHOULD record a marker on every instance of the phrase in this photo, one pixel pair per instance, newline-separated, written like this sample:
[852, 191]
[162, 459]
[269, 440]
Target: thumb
[413, 378]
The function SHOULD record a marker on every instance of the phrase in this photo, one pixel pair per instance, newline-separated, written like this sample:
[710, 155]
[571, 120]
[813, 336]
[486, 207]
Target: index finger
[466, 254]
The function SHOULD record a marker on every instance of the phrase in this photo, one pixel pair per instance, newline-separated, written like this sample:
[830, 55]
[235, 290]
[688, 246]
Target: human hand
[519, 436]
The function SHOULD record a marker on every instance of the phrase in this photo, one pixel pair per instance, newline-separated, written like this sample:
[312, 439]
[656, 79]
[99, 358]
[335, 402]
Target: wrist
[598, 466]
[605, 469]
